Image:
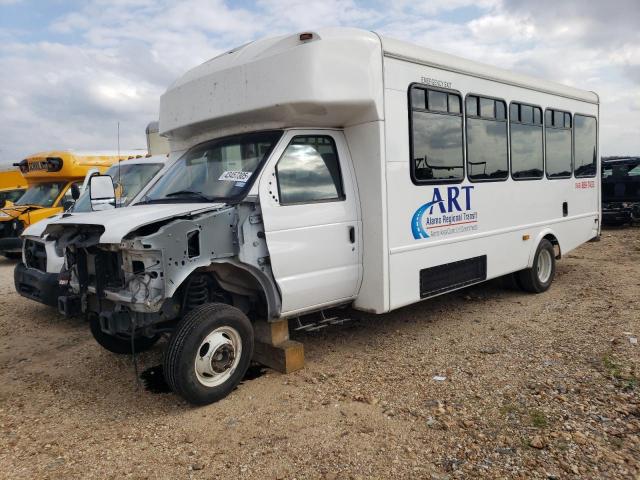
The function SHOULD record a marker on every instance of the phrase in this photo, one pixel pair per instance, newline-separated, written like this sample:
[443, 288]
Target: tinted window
[436, 137]
[454, 103]
[11, 195]
[472, 106]
[308, 171]
[418, 98]
[585, 148]
[487, 157]
[558, 145]
[437, 101]
[487, 108]
[526, 142]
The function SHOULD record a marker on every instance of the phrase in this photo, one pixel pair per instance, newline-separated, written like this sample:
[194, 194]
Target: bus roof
[70, 164]
[12, 179]
[329, 77]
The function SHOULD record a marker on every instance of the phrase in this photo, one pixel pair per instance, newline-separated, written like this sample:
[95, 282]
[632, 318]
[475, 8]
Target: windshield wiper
[190, 193]
[185, 193]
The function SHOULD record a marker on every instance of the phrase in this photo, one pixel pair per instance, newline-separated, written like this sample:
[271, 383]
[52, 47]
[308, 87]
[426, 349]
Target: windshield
[42, 194]
[621, 170]
[216, 170]
[127, 182]
[11, 195]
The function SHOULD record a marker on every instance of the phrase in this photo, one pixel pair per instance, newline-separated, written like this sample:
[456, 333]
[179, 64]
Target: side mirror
[67, 205]
[101, 192]
[75, 191]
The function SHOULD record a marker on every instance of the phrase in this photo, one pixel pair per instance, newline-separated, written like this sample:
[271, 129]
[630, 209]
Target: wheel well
[229, 284]
[556, 245]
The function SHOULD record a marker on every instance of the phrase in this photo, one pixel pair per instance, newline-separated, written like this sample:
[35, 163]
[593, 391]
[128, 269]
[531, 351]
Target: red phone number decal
[586, 184]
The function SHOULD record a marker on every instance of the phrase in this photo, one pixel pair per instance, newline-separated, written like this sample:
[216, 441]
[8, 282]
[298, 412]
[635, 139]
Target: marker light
[306, 36]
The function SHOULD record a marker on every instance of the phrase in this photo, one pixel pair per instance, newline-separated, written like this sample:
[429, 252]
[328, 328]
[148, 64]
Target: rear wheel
[121, 343]
[539, 277]
[209, 353]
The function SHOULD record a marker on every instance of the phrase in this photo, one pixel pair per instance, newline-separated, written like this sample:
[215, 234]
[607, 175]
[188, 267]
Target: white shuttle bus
[324, 169]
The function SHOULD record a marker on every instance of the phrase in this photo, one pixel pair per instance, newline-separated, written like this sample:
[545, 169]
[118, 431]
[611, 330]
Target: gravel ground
[537, 386]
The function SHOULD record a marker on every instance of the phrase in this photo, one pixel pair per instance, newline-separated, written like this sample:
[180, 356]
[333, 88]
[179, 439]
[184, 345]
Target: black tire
[120, 344]
[529, 278]
[186, 345]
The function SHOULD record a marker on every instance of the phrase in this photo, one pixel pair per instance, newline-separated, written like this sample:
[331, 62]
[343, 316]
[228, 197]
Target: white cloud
[114, 58]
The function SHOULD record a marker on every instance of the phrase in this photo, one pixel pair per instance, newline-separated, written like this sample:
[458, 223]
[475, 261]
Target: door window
[308, 171]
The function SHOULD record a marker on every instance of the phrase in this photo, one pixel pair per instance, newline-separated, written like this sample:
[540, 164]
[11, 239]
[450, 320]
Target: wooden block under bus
[285, 357]
[271, 332]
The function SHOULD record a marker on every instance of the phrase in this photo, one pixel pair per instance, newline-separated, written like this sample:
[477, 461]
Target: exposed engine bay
[159, 271]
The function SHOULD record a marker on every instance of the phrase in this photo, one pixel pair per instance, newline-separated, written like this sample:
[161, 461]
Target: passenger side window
[558, 143]
[436, 136]
[308, 171]
[527, 162]
[487, 156]
[584, 144]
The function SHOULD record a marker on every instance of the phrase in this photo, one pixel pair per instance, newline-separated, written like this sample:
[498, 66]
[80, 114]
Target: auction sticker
[235, 176]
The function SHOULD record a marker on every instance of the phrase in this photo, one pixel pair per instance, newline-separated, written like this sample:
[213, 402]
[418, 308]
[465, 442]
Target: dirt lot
[537, 386]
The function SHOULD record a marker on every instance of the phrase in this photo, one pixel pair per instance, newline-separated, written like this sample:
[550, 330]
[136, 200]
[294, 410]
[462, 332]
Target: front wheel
[538, 278]
[120, 344]
[209, 353]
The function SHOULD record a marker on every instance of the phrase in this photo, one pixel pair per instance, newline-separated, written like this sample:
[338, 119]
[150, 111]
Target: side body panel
[366, 144]
[494, 218]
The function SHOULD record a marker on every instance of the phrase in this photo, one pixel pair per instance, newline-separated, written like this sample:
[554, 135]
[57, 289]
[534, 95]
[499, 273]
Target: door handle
[352, 234]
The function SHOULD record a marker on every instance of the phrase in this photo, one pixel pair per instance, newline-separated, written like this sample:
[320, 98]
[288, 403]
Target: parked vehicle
[36, 277]
[54, 179]
[324, 169]
[12, 186]
[620, 190]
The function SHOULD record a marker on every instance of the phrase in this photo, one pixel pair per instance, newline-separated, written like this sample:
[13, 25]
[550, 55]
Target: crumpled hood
[37, 229]
[118, 222]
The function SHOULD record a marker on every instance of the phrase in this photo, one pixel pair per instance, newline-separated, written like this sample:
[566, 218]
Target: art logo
[449, 211]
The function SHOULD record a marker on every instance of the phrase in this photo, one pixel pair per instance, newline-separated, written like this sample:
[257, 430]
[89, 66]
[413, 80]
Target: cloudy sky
[71, 69]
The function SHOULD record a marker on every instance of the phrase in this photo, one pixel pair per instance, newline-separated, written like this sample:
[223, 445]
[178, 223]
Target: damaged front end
[160, 270]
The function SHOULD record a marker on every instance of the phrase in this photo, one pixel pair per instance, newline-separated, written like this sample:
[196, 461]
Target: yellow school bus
[51, 177]
[12, 186]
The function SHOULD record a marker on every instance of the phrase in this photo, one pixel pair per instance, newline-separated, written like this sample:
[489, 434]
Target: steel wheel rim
[544, 266]
[218, 356]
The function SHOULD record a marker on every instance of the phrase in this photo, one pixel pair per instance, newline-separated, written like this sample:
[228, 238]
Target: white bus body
[358, 82]
[397, 229]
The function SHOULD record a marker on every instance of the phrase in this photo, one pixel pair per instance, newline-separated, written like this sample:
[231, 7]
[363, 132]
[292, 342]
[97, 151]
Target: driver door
[312, 220]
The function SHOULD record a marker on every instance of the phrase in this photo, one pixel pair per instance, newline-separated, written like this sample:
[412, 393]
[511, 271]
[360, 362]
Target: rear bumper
[11, 245]
[36, 285]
